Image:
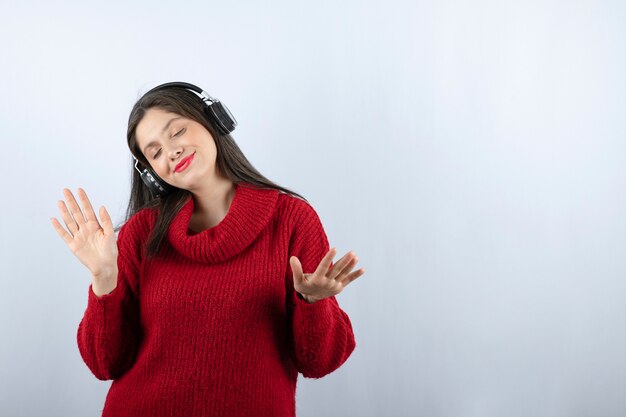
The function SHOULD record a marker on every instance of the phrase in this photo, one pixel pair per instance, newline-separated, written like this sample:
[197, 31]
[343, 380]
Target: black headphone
[216, 112]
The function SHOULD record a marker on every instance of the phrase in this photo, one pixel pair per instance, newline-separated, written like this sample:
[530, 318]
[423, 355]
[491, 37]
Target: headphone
[216, 112]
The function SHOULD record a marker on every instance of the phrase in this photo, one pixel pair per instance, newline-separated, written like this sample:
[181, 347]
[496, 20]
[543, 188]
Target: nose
[175, 152]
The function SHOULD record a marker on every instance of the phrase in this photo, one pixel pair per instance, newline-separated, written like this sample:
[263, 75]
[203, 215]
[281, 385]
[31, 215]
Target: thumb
[107, 225]
[296, 268]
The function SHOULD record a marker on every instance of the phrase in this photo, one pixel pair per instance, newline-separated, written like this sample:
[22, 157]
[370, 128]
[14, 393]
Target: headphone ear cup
[224, 119]
[156, 185]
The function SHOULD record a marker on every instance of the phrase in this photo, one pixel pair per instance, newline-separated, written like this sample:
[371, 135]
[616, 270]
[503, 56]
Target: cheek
[159, 167]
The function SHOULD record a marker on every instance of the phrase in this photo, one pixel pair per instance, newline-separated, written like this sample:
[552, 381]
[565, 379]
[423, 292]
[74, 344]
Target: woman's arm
[109, 333]
[322, 333]
[323, 337]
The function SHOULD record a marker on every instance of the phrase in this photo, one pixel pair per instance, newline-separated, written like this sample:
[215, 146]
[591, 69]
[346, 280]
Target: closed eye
[180, 132]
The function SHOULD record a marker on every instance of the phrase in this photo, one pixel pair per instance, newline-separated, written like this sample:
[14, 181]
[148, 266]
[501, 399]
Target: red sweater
[213, 326]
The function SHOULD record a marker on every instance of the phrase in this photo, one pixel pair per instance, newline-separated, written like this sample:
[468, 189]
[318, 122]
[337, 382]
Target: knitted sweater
[212, 326]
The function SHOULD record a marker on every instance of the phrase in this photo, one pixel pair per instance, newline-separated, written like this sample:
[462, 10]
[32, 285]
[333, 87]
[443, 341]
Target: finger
[296, 268]
[343, 266]
[78, 215]
[89, 213]
[107, 224]
[67, 238]
[352, 276]
[67, 218]
[326, 262]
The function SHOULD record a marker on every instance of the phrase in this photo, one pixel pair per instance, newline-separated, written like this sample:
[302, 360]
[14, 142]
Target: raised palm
[92, 243]
[326, 281]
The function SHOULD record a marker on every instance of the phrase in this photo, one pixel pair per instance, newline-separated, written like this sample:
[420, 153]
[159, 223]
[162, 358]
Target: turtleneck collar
[248, 214]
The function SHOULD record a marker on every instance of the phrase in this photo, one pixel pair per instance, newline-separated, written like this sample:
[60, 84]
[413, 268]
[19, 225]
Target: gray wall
[470, 152]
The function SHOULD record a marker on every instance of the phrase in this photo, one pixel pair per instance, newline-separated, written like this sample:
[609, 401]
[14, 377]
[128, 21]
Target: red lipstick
[182, 165]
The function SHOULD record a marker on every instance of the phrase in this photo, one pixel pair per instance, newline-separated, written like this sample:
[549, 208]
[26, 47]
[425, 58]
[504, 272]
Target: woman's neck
[211, 204]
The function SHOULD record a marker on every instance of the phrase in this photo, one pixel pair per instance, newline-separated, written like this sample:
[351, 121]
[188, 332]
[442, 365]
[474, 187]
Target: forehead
[151, 126]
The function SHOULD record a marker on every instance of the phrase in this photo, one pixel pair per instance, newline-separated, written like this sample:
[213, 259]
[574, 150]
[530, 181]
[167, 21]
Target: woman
[220, 286]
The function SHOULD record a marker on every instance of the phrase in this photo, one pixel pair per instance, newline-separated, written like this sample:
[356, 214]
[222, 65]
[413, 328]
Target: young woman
[220, 286]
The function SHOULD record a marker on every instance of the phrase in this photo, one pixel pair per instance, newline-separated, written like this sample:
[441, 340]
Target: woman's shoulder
[304, 226]
[133, 235]
[295, 210]
[291, 202]
[139, 224]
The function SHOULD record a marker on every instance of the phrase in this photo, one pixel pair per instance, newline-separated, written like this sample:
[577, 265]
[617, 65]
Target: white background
[470, 152]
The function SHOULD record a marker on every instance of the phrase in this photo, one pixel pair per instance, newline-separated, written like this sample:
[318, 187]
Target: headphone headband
[180, 84]
[215, 109]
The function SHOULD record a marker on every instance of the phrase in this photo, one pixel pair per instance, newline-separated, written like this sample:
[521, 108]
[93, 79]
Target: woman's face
[180, 150]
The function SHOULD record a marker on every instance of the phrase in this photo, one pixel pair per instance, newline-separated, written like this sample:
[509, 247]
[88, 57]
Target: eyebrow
[167, 125]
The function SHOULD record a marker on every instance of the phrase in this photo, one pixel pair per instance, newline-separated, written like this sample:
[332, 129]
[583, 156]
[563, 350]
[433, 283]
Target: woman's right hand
[93, 244]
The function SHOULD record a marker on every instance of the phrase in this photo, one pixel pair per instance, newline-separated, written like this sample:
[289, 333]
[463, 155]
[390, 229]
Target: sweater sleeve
[109, 333]
[322, 333]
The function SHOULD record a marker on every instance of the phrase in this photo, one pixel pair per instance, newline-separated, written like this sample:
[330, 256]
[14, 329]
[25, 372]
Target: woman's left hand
[325, 282]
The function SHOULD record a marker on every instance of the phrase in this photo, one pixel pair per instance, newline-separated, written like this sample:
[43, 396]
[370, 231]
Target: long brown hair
[231, 162]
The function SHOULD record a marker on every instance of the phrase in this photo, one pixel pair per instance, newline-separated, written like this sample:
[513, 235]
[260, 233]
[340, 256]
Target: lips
[182, 165]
